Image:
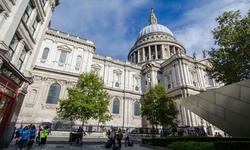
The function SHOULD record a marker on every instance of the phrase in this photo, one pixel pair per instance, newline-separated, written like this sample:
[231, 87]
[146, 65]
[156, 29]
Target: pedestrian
[126, 136]
[225, 134]
[33, 133]
[161, 134]
[112, 136]
[81, 133]
[108, 133]
[18, 133]
[24, 137]
[43, 136]
[216, 134]
[119, 137]
[39, 129]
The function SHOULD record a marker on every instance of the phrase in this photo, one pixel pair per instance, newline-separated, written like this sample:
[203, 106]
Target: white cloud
[197, 24]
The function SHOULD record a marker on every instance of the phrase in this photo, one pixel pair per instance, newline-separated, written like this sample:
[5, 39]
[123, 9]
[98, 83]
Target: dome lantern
[152, 19]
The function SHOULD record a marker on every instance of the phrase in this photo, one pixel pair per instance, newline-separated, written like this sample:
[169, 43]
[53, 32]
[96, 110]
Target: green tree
[86, 100]
[157, 104]
[231, 60]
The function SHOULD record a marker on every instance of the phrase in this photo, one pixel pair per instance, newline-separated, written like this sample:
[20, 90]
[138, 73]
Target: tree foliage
[86, 100]
[157, 102]
[231, 61]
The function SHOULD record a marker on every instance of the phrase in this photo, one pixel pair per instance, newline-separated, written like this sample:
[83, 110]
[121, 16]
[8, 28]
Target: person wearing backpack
[119, 138]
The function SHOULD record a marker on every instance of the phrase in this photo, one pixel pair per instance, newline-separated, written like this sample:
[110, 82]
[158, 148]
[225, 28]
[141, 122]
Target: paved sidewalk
[89, 143]
[75, 147]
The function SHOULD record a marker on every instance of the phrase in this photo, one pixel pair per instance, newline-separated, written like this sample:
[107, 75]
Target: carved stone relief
[49, 106]
[30, 105]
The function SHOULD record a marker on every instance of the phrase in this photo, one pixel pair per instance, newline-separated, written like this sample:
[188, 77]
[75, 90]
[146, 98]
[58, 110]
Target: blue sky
[114, 25]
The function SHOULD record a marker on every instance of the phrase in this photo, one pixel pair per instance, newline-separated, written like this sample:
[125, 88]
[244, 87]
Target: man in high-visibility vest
[43, 135]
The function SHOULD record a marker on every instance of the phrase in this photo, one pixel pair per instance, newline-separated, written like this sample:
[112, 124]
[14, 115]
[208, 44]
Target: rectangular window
[21, 58]
[13, 45]
[27, 12]
[34, 26]
[210, 80]
[63, 56]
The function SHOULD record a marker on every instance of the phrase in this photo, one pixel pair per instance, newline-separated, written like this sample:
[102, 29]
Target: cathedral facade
[62, 57]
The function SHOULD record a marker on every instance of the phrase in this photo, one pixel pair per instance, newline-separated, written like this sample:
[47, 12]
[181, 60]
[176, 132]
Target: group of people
[217, 134]
[25, 136]
[118, 136]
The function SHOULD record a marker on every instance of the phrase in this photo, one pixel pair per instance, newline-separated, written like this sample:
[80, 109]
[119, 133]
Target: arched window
[32, 96]
[78, 61]
[137, 108]
[45, 53]
[54, 92]
[116, 105]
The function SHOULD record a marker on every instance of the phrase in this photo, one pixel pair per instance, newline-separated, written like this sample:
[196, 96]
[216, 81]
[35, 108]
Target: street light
[149, 75]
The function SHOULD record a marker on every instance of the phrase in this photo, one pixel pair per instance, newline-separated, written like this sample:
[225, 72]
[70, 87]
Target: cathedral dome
[154, 28]
[155, 42]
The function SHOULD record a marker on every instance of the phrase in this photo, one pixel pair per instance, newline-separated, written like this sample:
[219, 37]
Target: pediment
[117, 71]
[137, 76]
[64, 48]
[96, 66]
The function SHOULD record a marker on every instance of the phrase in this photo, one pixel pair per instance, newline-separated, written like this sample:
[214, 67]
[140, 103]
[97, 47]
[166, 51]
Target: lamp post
[149, 75]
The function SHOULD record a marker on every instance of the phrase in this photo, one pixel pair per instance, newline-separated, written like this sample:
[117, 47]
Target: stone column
[143, 54]
[178, 77]
[187, 117]
[134, 57]
[26, 59]
[187, 73]
[138, 56]
[169, 51]
[174, 49]
[199, 78]
[182, 75]
[202, 77]
[156, 53]
[162, 52]
[104, 73]
[149, 53]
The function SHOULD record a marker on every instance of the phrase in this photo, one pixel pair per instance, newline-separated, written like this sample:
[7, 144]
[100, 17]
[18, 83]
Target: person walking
[126, 136]
[32, 135]
[112, 136]
[81, 134]
[119, 138]
[43, 136]
[18, 133]
[24, 137]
